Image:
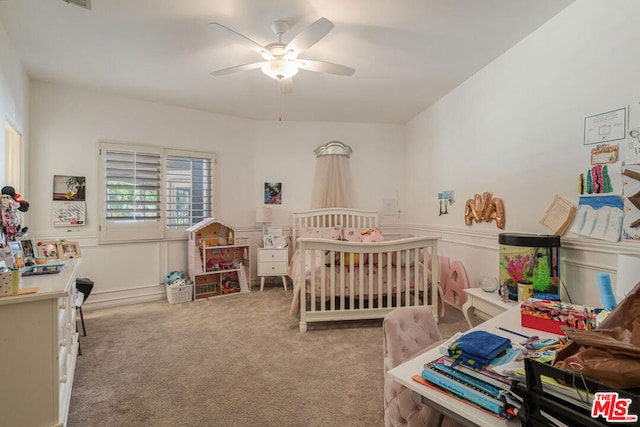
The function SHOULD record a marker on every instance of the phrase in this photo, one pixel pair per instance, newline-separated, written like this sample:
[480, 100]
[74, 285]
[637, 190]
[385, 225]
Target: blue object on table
[477, 348]
[606, 293]
[39, 269]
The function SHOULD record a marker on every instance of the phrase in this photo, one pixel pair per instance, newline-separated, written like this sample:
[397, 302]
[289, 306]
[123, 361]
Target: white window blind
[152, 193]
[133, 182]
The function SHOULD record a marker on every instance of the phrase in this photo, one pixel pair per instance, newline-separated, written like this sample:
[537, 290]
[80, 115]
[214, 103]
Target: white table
[453, 408]
[489, 303]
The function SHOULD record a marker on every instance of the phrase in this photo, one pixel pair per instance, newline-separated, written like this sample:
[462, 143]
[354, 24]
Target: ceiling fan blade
[235, 69]
[325, 67]
[286, 85]
[309, 36]
[239, 38]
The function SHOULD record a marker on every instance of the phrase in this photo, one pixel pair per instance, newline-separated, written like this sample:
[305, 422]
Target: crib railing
[345, 292]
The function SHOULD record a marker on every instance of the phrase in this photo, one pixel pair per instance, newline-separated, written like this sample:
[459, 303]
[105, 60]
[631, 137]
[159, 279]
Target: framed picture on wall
[272, 193]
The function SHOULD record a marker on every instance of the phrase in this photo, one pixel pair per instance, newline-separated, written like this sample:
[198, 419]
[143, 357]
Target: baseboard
[119, 297]
[137, 295]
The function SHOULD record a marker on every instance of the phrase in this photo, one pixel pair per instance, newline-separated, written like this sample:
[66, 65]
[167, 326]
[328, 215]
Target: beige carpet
[233, 361]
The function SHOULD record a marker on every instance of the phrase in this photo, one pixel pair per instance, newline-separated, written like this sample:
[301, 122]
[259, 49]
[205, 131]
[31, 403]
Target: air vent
[84, 3]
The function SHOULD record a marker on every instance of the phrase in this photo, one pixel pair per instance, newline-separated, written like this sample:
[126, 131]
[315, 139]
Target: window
[188, 184]
[152, 193]
[13, 158]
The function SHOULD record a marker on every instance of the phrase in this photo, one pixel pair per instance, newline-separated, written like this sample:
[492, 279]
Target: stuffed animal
[176, 278]
[373, 235]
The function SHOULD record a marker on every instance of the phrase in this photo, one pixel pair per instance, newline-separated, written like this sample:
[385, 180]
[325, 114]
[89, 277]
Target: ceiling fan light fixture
[280, 69]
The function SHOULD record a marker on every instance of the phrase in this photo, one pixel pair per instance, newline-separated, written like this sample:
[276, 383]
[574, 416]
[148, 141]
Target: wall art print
[272, 193]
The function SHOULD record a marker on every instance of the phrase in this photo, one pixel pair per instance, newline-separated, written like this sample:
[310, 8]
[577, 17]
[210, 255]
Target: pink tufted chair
[408, 331]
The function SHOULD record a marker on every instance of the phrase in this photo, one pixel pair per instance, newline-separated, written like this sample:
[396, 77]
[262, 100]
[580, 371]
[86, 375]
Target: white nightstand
[273, 262]
[489, 303]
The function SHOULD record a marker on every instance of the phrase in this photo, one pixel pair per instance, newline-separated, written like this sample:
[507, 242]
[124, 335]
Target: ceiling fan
[280, 60]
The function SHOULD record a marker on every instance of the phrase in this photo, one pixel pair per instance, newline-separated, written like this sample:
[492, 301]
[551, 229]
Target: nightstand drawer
[272, 255]
[272, 268]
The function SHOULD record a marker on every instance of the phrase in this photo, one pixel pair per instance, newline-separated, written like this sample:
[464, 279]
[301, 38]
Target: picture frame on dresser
[68, 250]
[267, 241]
[47, 249]
[28, 247]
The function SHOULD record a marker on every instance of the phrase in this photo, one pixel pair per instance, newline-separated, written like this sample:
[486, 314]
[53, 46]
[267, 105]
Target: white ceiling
[407, 53]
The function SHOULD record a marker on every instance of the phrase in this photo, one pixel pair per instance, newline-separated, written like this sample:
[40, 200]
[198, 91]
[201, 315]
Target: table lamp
[263, 216]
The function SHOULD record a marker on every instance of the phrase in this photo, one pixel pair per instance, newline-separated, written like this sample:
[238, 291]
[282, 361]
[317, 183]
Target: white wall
[516, 129]
[14, 97]
[67, 124]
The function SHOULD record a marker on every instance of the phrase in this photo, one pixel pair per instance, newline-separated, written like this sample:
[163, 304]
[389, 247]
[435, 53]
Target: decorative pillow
[353, 234]
[331, 233]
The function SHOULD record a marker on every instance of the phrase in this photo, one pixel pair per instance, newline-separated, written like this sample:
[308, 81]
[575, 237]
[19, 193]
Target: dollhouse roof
[205, 222]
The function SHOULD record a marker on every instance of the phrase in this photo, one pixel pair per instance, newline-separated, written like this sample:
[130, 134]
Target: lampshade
[263, 215]
[280, 68]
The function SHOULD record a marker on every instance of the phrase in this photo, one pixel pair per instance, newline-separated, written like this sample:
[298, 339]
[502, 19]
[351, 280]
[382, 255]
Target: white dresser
[39, 345]
[273, 262]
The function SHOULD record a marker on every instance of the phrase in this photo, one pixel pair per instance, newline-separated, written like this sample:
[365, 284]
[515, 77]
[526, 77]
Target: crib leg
[303, 326]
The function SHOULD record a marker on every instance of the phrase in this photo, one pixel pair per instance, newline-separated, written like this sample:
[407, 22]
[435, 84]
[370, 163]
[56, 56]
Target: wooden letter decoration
[484, 208]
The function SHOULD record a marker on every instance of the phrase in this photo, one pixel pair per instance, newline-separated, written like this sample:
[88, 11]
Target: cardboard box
[548, 316]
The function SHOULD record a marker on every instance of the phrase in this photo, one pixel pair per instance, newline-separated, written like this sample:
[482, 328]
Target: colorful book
[485, 375]
[484, 387]
[507, 414]
[465, 390]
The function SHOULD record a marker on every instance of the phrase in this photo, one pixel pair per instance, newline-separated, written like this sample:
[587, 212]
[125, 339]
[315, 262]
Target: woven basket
[178, 294]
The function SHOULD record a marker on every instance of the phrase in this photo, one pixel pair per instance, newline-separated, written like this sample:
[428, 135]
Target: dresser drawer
[272, 268]
[272, 255]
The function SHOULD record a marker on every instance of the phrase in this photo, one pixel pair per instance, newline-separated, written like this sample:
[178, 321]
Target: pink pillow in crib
[353, 234]
[331, 233]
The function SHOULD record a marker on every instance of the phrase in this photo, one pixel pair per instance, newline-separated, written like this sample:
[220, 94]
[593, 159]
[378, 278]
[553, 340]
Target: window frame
[130, 231]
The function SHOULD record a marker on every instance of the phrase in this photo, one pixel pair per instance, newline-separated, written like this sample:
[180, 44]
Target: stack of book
[484, 388]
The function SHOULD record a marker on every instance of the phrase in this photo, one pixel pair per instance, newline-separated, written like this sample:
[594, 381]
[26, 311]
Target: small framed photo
[68, 250]
[47, 249]
[27, 248]
[267, 241]
[15, 247]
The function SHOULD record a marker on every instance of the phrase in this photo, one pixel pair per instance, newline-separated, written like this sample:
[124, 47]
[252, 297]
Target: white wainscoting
[477, 248]
[580, 258]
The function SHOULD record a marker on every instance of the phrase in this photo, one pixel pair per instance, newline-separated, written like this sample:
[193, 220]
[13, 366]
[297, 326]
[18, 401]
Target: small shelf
[221, 271]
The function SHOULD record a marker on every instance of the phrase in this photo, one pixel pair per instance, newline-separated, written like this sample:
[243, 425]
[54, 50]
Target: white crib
[346, 280]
